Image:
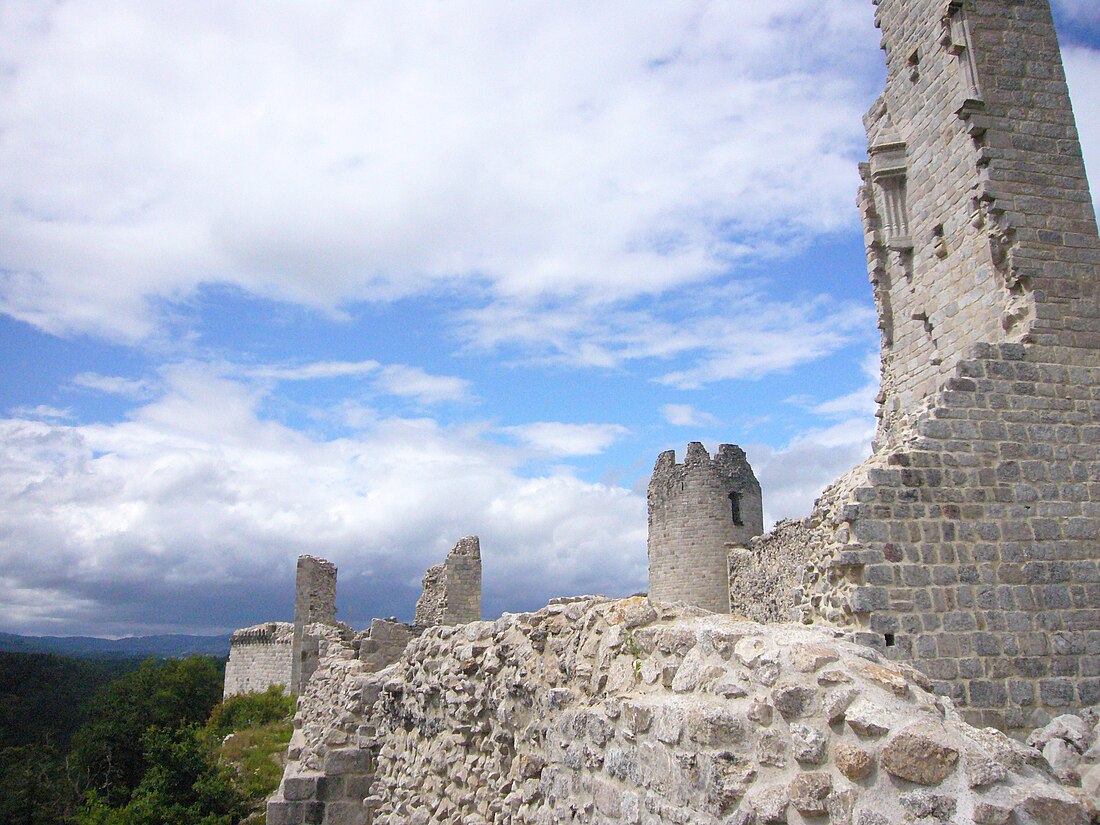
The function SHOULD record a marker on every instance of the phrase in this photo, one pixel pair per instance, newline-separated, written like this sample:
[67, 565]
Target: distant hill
[136, 647]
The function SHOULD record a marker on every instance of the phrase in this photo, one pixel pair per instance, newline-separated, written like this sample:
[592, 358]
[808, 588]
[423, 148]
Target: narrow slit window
[735, 508]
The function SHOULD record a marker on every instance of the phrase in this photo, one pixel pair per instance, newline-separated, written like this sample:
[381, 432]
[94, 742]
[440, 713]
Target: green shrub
[246, 710]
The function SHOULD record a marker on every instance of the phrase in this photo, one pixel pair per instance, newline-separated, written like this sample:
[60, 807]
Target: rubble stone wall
[259, 656]
[598, 711]
[697, 511]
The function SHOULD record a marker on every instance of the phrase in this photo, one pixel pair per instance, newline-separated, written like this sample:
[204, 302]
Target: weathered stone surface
[512, 721]
[966, 544]
[809, 792]
[919, 754]
[697, 510]
[853, 761]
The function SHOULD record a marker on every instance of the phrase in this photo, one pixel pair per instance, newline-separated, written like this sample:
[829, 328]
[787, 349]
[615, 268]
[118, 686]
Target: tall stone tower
[314, 603]
[697, 511]
[977, 214]
[969, 543]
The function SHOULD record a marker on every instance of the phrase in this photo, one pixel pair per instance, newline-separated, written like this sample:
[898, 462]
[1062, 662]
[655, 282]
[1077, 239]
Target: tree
[109, 752]
[182, 785]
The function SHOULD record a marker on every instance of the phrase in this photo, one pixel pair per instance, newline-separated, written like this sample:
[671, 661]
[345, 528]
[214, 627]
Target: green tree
[182, 785]
[109, 753]
[34, 788]
[245, 710]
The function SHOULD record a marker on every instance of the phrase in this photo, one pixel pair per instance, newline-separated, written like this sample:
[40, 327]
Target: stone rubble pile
[631, 711]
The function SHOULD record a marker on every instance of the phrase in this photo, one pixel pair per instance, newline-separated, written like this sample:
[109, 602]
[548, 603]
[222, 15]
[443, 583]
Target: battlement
[697, 511]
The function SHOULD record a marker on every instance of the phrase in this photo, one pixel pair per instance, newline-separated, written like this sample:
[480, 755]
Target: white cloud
[762, 336]
[393, 379]
[363, 151]
[685, 415]
[43, 412]
[1084, 11]
[318, 369]
[191, 513]
[114, 385]
[413, 382]
[559, 439]
[795, 474]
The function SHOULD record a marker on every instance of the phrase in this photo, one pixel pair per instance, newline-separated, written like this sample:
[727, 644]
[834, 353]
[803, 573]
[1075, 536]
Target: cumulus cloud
[365, 151]
[685, 415]
[793, 475]
[190, 514]
[318, 369]
[560, 439]
[413, 382]
[1083, 11]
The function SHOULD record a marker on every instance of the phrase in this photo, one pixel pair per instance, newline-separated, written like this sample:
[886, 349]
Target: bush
[246, 710]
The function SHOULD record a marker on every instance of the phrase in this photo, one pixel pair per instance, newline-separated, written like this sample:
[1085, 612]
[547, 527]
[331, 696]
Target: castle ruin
[281, 653]
[967, 545]
[698, 512]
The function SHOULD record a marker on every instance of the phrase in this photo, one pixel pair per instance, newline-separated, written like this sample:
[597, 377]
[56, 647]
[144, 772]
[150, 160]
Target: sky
[356, 279]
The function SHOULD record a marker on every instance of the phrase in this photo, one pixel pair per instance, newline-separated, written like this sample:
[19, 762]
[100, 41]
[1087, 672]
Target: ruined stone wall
[452, 590]
[968, 544]
[259, 656]
[976, 209]
[314, 603]
[597, 711]
[697, 510]
[384, 642]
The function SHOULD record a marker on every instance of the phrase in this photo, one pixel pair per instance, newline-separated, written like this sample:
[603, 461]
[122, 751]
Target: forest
[95, 742]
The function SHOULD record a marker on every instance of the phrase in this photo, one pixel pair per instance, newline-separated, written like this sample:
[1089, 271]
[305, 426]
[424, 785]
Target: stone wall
[598, 711]
[314, 603]
[259, 656]
[697, 510]
[978, 219]
[968, 544]
[452, 590]
[384, 642]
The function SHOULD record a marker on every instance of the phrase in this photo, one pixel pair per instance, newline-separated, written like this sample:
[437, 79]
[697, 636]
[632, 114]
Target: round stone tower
[697, 511]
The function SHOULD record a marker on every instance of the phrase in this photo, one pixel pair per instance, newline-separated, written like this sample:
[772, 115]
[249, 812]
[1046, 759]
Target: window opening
[735, 508]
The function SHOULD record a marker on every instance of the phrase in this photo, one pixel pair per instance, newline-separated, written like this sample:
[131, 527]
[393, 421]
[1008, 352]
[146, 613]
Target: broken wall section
[452, 590]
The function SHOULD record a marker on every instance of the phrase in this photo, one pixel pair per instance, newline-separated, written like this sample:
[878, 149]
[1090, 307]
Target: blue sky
[359, 280]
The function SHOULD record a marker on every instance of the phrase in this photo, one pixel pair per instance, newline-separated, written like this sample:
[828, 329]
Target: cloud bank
[344, 152]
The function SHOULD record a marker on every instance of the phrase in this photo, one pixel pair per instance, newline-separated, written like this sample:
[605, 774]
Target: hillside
[135, 647]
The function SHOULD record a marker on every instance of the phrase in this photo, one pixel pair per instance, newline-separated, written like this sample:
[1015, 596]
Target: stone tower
[314, 603]
[698, 510]
[969, 543]
[452, 590]
[977, 214]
